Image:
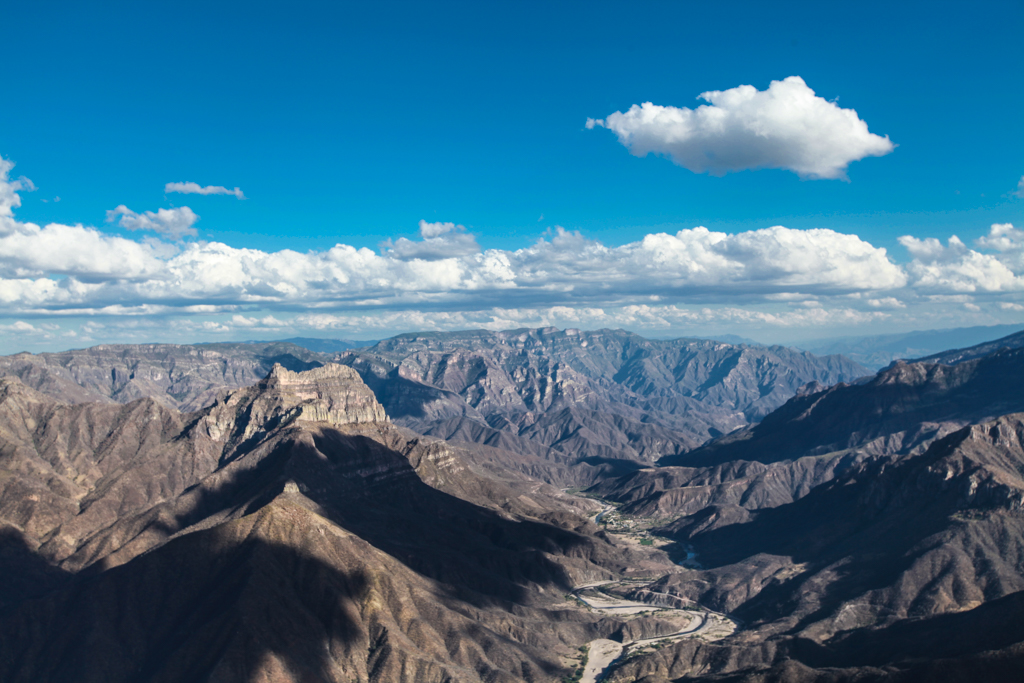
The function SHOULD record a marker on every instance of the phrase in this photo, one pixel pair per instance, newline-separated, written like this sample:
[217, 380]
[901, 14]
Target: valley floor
[678, 618]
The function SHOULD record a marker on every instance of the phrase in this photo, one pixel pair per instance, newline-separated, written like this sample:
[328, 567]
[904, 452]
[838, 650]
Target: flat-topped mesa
[331, 393]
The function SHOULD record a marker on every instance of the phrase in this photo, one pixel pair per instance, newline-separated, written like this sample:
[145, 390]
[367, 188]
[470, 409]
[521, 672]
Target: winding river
[603, 652]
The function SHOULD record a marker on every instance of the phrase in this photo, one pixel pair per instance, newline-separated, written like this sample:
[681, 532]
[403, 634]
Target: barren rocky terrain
[208, 544]
[261, 512]
[604, 402]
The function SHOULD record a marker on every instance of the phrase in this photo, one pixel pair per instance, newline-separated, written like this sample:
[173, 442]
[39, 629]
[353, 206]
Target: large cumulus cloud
[786, 126]
[955, 267]
[700, 261]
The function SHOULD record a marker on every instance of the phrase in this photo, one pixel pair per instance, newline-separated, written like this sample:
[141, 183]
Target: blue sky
[349, 124]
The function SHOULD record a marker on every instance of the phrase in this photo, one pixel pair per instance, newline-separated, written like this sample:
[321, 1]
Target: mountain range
[412, 511]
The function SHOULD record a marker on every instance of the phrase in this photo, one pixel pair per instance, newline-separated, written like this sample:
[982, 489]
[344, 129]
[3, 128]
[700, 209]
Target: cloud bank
[786, 126]
[196, 188]
[690, 281]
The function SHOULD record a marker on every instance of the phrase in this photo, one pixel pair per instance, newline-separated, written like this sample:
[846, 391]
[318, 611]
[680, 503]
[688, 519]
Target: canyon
[526, 505]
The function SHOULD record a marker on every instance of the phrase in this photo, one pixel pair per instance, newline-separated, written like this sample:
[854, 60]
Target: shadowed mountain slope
[818, 435]
[868, 576]
[287, 532]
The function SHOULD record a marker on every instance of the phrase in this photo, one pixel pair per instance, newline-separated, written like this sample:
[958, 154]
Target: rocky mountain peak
[331, 393]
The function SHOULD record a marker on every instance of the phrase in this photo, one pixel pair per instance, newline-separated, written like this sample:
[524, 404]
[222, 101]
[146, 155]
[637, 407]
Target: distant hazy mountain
[328, 345]
[187, 377]
[879, 350]
[1013, 341]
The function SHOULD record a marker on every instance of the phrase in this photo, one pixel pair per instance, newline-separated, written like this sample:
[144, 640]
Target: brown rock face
[290, 531]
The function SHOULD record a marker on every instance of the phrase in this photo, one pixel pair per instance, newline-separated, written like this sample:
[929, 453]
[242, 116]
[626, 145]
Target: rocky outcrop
[333, 394]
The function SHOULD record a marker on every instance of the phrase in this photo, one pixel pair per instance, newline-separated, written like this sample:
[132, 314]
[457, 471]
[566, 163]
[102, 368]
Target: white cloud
[956, 268]
[173, 223]
[1002, 237]
[639, 317]
[196, 188]
[104, 274]
[87, 254]
[438, 241]
[1020, 188]
[9, 199]
[567, 269]
[888, 302]
[1008, 241]
[19, 326]
[699, 260]
[266, 322]
[786, 126]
